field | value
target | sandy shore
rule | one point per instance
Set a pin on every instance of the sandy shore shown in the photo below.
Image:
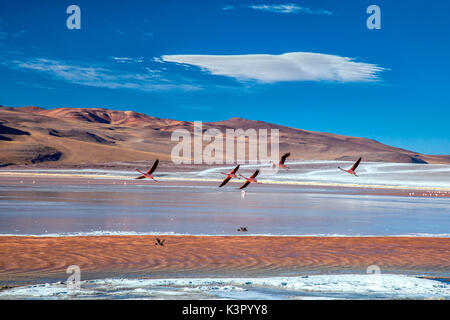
(30, 259)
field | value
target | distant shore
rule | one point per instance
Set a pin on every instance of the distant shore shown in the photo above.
(34, 259)
(51, 176)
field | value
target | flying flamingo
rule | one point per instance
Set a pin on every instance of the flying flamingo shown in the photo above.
(353, 168)
(149, 172)
(231, 174)
(282, 160)
(249, 180)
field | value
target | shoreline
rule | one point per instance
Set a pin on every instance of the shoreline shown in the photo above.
(33, 259)
(156, 234)
(22, 178)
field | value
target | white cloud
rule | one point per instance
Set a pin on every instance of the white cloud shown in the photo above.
(97, 75)
(287, 8)
(293, 66)
(158, 60)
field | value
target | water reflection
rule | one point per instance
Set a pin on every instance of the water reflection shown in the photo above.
(205, 210)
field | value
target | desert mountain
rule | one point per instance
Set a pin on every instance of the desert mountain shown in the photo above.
(97, 135)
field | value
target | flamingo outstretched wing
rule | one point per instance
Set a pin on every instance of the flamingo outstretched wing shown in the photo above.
(356, 164)
(153, 168)
(283, 158)
(235, 169)
(225, 181)
(254, 174)
(246, 183)
(142, 176)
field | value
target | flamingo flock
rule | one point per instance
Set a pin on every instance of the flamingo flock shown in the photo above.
(233, 173)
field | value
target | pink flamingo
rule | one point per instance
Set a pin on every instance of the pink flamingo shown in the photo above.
(149, 172)
(353, 168)
(282, 160)
(249, 180)
(231, 174)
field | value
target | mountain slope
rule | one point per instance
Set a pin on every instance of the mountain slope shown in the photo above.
(97, 135)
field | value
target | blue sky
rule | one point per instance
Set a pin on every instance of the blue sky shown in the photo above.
(307, 64)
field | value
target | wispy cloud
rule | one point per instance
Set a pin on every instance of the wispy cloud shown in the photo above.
(128, 60)
(34, 85)
(19, 34)
(95, 75)
(131, 34)
(5, 35)
(293, 66)
(228, 7)
(287, 8)
(157, 60)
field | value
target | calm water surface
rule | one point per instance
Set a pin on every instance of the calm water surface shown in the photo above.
(155, 208)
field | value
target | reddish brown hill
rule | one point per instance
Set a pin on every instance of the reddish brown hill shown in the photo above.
(98, 135)
(99, 115)
(31, 109)
(111, 117)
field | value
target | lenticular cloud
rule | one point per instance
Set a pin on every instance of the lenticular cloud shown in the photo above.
(292, 66)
